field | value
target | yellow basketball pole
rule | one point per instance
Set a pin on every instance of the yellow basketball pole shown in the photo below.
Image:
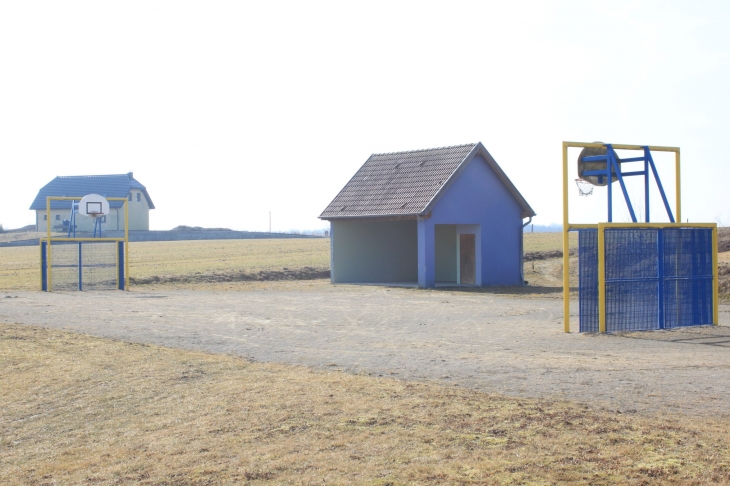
(566, 243)
(601, 280)
(715, 280)
(678, 186)
(126, 244)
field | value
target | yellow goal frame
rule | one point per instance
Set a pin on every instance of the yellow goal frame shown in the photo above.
(567, 227)
(49, 238)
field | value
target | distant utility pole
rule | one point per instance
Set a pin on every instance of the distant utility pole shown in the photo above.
(269, 221)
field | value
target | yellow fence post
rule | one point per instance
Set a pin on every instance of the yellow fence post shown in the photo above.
(601, 279)
(48, 227)
(126, 245)
(566, 245)
(678, 185)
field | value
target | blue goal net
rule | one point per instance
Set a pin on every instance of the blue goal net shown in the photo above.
(82, 265)
(655, 278)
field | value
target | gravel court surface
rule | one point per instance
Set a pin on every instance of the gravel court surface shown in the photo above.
(498, 343)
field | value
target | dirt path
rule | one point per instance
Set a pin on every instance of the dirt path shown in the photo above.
(496, 343)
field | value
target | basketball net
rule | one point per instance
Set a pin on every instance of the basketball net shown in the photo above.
(585, 188)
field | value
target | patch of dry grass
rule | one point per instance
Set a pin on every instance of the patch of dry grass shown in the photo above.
(188, 257)
(547, 241)
(20, 268)
(78, 409)
(25, 235)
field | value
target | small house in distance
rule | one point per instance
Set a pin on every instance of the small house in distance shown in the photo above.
(112, 185)
(442, 216)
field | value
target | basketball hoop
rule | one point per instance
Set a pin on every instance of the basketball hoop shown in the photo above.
(585, 188)
(94, 206)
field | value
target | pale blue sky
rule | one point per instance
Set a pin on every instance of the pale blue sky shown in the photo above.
(229, 110)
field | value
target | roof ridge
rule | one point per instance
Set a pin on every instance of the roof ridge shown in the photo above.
(428, 149)
(380, 188)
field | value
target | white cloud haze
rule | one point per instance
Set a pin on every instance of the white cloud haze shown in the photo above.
(229, 110)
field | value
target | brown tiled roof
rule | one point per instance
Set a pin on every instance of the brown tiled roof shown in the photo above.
(407, 183)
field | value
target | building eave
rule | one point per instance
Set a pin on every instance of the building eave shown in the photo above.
(372, 217)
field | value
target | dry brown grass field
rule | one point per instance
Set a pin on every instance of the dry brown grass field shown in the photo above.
(19, 266)
(80, 410)
(215, 260)
(208, 263)
(25, 235)
(535, 242)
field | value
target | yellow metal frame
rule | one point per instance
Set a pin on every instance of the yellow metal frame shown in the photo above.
(567, 227)
(49, 238)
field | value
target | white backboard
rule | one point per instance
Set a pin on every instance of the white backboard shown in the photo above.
(94, 205)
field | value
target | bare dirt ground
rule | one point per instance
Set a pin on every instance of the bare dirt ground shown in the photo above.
(500, 341)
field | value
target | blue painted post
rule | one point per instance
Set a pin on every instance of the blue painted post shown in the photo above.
(608, 185)
(426, 255)
(646, 185)
(612, 162)
(120, 265)
(44, 266)
(81, 269)
(659, 184)
(660, 272)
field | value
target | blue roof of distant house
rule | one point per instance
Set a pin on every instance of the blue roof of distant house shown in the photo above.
(112, 185)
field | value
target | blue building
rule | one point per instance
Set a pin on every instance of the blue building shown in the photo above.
(443, 216)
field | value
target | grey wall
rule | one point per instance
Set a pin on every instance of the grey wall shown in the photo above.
(445, 253)
(374, 251)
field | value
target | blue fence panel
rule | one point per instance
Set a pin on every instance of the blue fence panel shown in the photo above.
(632, 305)
(688, 277)
(631, 253)
(655, 278)
(632, 279)
(588, 279)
